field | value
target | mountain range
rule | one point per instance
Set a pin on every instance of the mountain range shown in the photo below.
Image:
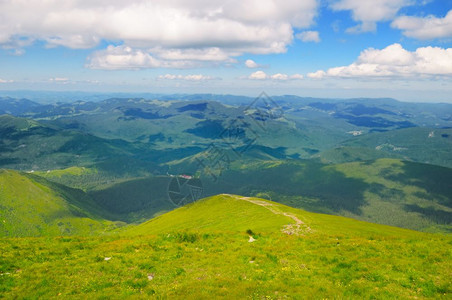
(185, 195)
(356, 157)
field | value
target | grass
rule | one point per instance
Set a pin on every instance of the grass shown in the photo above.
(386, 191)
(201, 256)
(31, 208)
(214, 212)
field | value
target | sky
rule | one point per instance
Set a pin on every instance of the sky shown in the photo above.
(310, 48)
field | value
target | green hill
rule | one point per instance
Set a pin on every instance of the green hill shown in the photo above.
(134, 200)
(214, 214)
(30, 206)
(29, 145)
(233, 247)
(426, 145)
(385, 191)
(232, 213)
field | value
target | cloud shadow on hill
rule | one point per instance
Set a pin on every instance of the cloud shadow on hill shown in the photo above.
(332, 188)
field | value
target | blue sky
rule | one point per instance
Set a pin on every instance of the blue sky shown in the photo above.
(330, 48)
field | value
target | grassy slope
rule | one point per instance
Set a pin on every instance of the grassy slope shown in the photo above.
(214, 214)
(30, 206)
(134, 200)
(126, 199)
(385, 191)
(202, 252)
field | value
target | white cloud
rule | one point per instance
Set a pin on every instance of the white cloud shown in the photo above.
(296, 76)
(213, 54)
(76, 41)
(425, 28)
(394, 61)
(125, 57)
(197, 77)
(192, 77)
(251, 64)
(59, 79)
(308, 36)
(217, 30)
(16, 45)
(170, 77)
(369, 12)
(317, 75)
(279, 76)
(6, 81)
(122, 57)
(261, 75)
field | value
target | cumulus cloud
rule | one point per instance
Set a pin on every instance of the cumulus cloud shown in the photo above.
(317, 74)
(369, 12)
(122, 57)
(394, 61)
(192, 77)
(218, 30)
(279, 76)
(251, 64)
(426, 28)
(308, 36)
(261, 75)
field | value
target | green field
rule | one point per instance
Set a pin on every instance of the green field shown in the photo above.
(203, 251)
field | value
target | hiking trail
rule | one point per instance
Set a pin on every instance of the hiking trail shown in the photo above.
(298, 228)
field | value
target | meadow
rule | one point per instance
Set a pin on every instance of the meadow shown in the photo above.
(207, 253)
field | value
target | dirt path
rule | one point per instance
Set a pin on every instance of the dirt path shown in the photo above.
(298, 228)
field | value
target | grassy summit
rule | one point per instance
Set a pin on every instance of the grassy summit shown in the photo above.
(218, 213)
(385, 191)
(235, 247)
